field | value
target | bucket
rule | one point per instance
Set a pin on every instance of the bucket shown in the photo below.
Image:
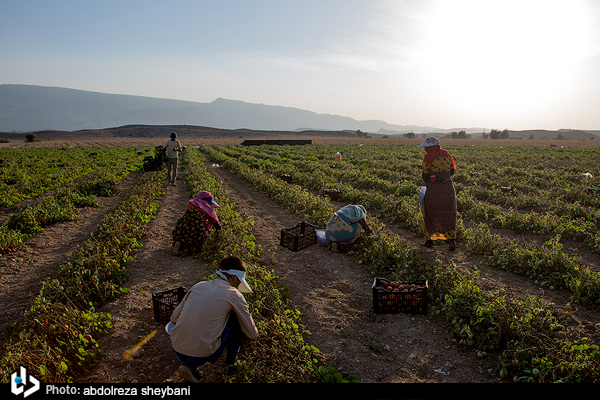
(321, 238)
(338, 156)
(422, 190)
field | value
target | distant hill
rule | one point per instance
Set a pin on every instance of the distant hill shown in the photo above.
(562, 133)
(28, 108)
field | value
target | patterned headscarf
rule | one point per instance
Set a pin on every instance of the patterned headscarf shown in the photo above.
(204, 201)
(433, 152)
(354, 213)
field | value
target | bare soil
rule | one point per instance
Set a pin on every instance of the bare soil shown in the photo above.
(333, 292)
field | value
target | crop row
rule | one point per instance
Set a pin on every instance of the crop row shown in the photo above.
(528, 337)
(280, 354)
(553, 268)
(28, 172)
(553, 175)
(62, 206)
(55, 339)
(388, 182)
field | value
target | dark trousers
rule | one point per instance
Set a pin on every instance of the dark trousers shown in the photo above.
(231, 338)
(172, 169)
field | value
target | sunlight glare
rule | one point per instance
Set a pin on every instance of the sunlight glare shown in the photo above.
(489, 54)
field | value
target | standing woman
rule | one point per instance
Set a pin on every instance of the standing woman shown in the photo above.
(439, 202)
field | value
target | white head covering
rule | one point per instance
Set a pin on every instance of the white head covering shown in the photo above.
(430, 141)
(243, 287)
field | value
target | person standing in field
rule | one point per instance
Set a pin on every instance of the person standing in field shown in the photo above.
(439, 203)
(213, 316)
(173, 149)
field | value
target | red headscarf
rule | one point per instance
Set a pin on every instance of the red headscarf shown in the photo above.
(433, 152)
(204, 201)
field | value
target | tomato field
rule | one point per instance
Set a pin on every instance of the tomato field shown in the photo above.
(532, 213)
(552, 200)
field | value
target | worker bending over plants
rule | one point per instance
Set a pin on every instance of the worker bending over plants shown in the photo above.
(345, 226)
(192, 228)
(213, 316)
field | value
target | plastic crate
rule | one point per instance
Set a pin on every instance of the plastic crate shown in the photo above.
(287, 178)
(298, 237)
(333, 194)
(405, 301)
(165, 302)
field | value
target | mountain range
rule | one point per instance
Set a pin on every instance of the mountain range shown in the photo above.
(29, 108)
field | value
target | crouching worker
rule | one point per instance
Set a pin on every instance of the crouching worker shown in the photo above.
(213, 316)
(192, 228)
(345, 226)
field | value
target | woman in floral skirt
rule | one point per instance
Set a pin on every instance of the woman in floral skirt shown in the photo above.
(192, 228)
(439, 204)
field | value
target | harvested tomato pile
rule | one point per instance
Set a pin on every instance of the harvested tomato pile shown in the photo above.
(398, 286)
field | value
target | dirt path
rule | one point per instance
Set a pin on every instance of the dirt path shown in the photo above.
(22, 272)
(154, 270)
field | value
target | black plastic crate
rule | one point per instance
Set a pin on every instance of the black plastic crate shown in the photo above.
(299, 237)
(287, 178)
(333, 194)
(405, 298)
(165, 302)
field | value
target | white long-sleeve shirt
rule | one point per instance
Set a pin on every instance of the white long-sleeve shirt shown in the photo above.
(202, 315)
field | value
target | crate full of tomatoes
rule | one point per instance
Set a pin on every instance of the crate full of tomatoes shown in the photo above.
(399, 296)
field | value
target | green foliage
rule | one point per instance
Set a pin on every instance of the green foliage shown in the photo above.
(548, 265)
(54, 340)
(548, 196)
(56, 336)
(63, 205)
(29, 172)
(563, 359)
(385, 178)
(280, 354)
(330, 375)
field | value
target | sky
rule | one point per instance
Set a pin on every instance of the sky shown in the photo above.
(495, 64)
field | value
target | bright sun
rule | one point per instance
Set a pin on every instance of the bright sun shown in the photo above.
(504, 54)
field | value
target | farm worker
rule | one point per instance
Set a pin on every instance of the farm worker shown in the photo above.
(213, 316)
(173, 149)
(439, 203)
(192, 228)
(345, 226)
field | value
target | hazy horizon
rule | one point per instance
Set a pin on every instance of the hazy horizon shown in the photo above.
(527, 64)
